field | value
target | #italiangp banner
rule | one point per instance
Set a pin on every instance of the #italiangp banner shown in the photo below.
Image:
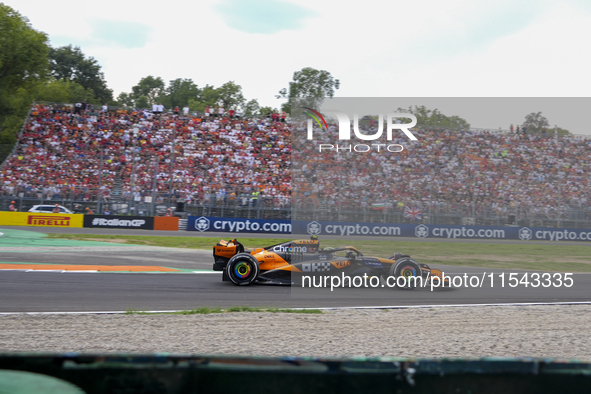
(40, 219)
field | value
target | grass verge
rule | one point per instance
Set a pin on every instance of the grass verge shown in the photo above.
(170, 242)
(545, 257)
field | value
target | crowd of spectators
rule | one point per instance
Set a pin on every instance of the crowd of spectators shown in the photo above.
(196, 159)
(232, 160)
(469, 173)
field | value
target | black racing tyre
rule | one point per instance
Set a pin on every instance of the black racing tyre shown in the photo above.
(408, 268)
(242, 269)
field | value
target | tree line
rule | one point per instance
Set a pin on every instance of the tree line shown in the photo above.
(31, 70)
(182, 92)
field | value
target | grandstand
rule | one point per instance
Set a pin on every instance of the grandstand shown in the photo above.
(135, 162)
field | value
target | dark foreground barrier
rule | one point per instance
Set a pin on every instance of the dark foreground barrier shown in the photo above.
(227, 374)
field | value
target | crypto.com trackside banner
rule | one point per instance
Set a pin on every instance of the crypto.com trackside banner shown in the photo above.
(234, 225)
(343, 229)
(440, 231)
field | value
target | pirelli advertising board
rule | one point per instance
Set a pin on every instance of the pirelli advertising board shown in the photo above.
(40, 219)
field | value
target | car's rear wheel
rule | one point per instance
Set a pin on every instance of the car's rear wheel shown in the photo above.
(242, 269)
(409, 269)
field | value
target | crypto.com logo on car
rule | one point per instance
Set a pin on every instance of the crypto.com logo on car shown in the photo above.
(345, 131)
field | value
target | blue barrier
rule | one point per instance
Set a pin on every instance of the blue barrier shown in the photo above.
(441, 231)
(344, 229)
(234, 225)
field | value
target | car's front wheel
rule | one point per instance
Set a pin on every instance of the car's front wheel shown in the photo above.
(242, 269)
(409, 269)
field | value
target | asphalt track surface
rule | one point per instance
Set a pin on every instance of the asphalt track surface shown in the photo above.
(192, 286)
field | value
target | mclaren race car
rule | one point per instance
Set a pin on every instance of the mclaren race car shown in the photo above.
(280, 264)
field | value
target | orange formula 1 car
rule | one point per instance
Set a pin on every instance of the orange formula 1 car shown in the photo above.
(276, 263)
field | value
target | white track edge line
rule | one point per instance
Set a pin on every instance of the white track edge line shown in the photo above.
(324, 309)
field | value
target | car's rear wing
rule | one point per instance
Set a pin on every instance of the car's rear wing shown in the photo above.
(224, 251)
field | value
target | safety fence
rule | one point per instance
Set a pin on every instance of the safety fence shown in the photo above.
(158, 203)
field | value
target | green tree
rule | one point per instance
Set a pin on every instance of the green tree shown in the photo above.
(64, 91)
(263, 111)
(130, 101)
(69, 63)
(558, 131)
(13, 112)
(209, 97)
(23, 66)
(252, 107)
(230, 95)
(152, 88)
(535, 122)
(142, 102)
(125, 99)
(179, 92)
(311, 84)
(456, 123)
(433, 118)
(184, 91)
